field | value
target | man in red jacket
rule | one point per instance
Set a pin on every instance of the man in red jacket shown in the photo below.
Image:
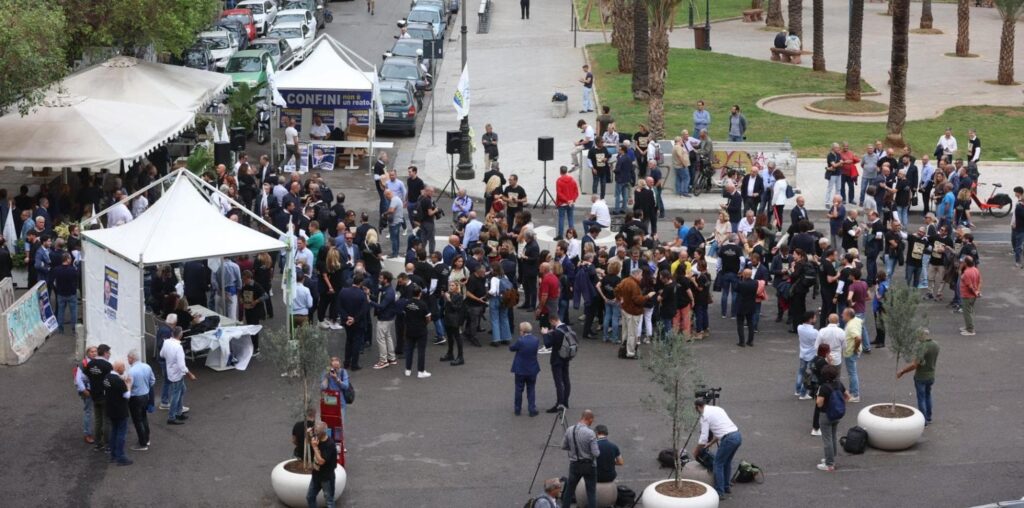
(849, 173)
(566, 192)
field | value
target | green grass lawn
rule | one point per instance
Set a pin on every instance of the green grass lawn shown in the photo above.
(720, 9)
(723, 80)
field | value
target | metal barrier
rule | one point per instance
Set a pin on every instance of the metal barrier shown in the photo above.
(484, 17)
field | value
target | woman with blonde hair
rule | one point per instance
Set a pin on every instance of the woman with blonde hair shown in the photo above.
(612, 311)
(722, 230)
(263, 274)
(332, 279)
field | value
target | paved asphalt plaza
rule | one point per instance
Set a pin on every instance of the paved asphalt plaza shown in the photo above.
(453, 441)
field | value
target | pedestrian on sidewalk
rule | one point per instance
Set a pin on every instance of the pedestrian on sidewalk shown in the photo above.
(588, 89)
(701, 118)
(681, 167)
(924, 373)
(490, 142)
(524, 9)
(624, 178)
(970, 291)
(525, 367)
(605, 120)
(737, 125)
(117, 387)
(143, 381)
(566, 193)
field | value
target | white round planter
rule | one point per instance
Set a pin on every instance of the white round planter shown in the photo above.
(607, 494)
(891, 433)
(653, 499)
(291, 487)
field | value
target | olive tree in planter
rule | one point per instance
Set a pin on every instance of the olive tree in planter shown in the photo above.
(300, 354)
(893, 426)
(673, 370)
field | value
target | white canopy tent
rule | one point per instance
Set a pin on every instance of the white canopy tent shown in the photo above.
(134, 81)
(182, 225)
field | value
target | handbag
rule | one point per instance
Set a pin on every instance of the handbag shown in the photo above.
(349, 393)
(717, 285)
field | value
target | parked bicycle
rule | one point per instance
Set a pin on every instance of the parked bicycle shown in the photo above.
(998, 204)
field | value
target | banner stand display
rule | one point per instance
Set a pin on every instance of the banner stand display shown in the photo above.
(25, 324)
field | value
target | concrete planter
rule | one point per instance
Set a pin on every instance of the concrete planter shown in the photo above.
(291, 487)
(607, 494)
(891, 434)
(653, 499)
(19, 276)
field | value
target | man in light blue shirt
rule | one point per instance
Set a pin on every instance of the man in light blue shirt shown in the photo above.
(302, 302)
(141, 399)
(868, 171)
(701, 118)
(396, 186)
(473, 228)
(461, 205)
(925, 185)
(228, 277)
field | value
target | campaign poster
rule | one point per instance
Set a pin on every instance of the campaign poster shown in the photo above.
(110, 292)
(286, 113)
(45, 309)
(289, 163)
(324, 157)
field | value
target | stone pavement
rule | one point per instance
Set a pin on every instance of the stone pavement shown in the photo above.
(934, 81)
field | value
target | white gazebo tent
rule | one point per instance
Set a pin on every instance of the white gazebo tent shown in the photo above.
(134, 81)
(181, 226)
(332, 77)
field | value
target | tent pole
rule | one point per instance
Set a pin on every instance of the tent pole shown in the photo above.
(142, 308)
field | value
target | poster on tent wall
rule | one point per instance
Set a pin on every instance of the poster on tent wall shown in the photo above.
(327, 115)
(324, 157)
(101, 269)
(289, 163)
(21, 328)
(45, 309)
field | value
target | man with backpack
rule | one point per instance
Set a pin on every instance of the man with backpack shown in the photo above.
(832, 399)
(561, 339)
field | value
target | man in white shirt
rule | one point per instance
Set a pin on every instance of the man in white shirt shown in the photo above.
(835, 337)
(291, 143)
(139, 205)
(600, 215)
(174, 355)
(303, 254)
(119, 213)
(947, 143)
(715, 422)
(319, 130)
(808, 337)
(586, 143)
(472, 230)
(228, 277)
(302, 303)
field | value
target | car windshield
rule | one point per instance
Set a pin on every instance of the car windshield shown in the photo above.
(216, 42)
(406, 72)
(195, 58)
(241, 18)
(406, 48)
(269, 47)
(423, 15)
(394, 97)
(297, 5)
(286, 33)
(244, 64)
(289, 18)
(254, 8)
(421, 33)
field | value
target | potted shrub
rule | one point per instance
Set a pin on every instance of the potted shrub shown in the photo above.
(301, 355)
(672, 368)
(893, 426)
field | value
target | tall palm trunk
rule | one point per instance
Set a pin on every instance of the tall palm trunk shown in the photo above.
(640, 42)
(1010, 10)
(796, 18)
(853, 88)
(818, 60)
(926, 14)
(963, 27)
(658, 62)
(892, 6)
(774, 17)
(898, 69)
(622, 34)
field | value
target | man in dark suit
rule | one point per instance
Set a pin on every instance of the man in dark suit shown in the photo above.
(196, 276)
(354, 306)
(559, 366)
(525, 367)
(733, 204)
(752, 189)
(746, 305)
(350, 254)
(528, 270)
(644, 200)
(796, 215)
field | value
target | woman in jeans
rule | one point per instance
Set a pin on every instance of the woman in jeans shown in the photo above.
(612, 311)
(684, 300)
(702, 298)
(829, 384)
(813, 381)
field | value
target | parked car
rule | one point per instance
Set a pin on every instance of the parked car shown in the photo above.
(298, 35)
(249, 67)
(445, 5)
(427, 32)
(243, 16)
(236, 27)
(263, 13)
(222, 45)
(314, 6)
(401, 106)
(280, 51)
(197, 57)
(412, 48)
(407, 69)
(297, 16)
(429, 14)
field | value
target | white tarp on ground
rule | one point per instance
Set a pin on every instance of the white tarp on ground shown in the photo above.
(127, 79)
(79, 132)
(182, 225)
(112, 294)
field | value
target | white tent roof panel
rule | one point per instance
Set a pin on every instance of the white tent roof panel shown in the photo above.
(325, 69)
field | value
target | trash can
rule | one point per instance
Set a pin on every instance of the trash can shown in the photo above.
(700, 37)
(559, 105)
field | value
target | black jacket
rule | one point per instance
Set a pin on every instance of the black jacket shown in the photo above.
(758, 186)
(746, 291)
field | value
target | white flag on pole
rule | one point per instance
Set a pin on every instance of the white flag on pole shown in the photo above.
(9, 234)
(461, 100)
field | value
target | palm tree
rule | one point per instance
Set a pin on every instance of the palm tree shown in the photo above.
(1009, 10)
(622, 34)
(661, 13)
(818, 60)
(963, 27)
(774, 17)
(898, 72)
(796, 18)
(853, 55)
(926, 14)
(640, 41)
(892, 6)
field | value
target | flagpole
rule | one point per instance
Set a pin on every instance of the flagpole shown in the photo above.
(465, 168)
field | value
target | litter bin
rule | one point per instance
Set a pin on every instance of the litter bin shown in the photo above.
(559, 105)
(700, 37)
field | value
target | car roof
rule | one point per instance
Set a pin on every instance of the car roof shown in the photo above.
(289, 24)
(250, 53)
(418, 24)
(271, 40)
(395, 84)
(401, 60)
(251, 2)
(292, 11)
(231, 12)
(424, 7)
(214, 34)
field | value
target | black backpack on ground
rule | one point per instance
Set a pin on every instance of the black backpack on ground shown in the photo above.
(855, 440)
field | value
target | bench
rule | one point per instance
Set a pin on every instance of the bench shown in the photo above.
(785, 55)
(752, 15)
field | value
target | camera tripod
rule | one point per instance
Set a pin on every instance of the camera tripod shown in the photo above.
(545, 195)
(560, 417)
(451, 187)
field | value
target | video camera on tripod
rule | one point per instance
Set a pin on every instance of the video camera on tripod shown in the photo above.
(710, 395)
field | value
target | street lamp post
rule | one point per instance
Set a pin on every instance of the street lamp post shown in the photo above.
(464, 170)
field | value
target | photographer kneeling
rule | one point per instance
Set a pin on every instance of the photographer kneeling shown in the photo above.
(714, 421)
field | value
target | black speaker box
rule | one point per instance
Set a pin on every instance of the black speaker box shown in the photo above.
(545, 148)
(237, 136)
(222, 153)
(452, 142)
